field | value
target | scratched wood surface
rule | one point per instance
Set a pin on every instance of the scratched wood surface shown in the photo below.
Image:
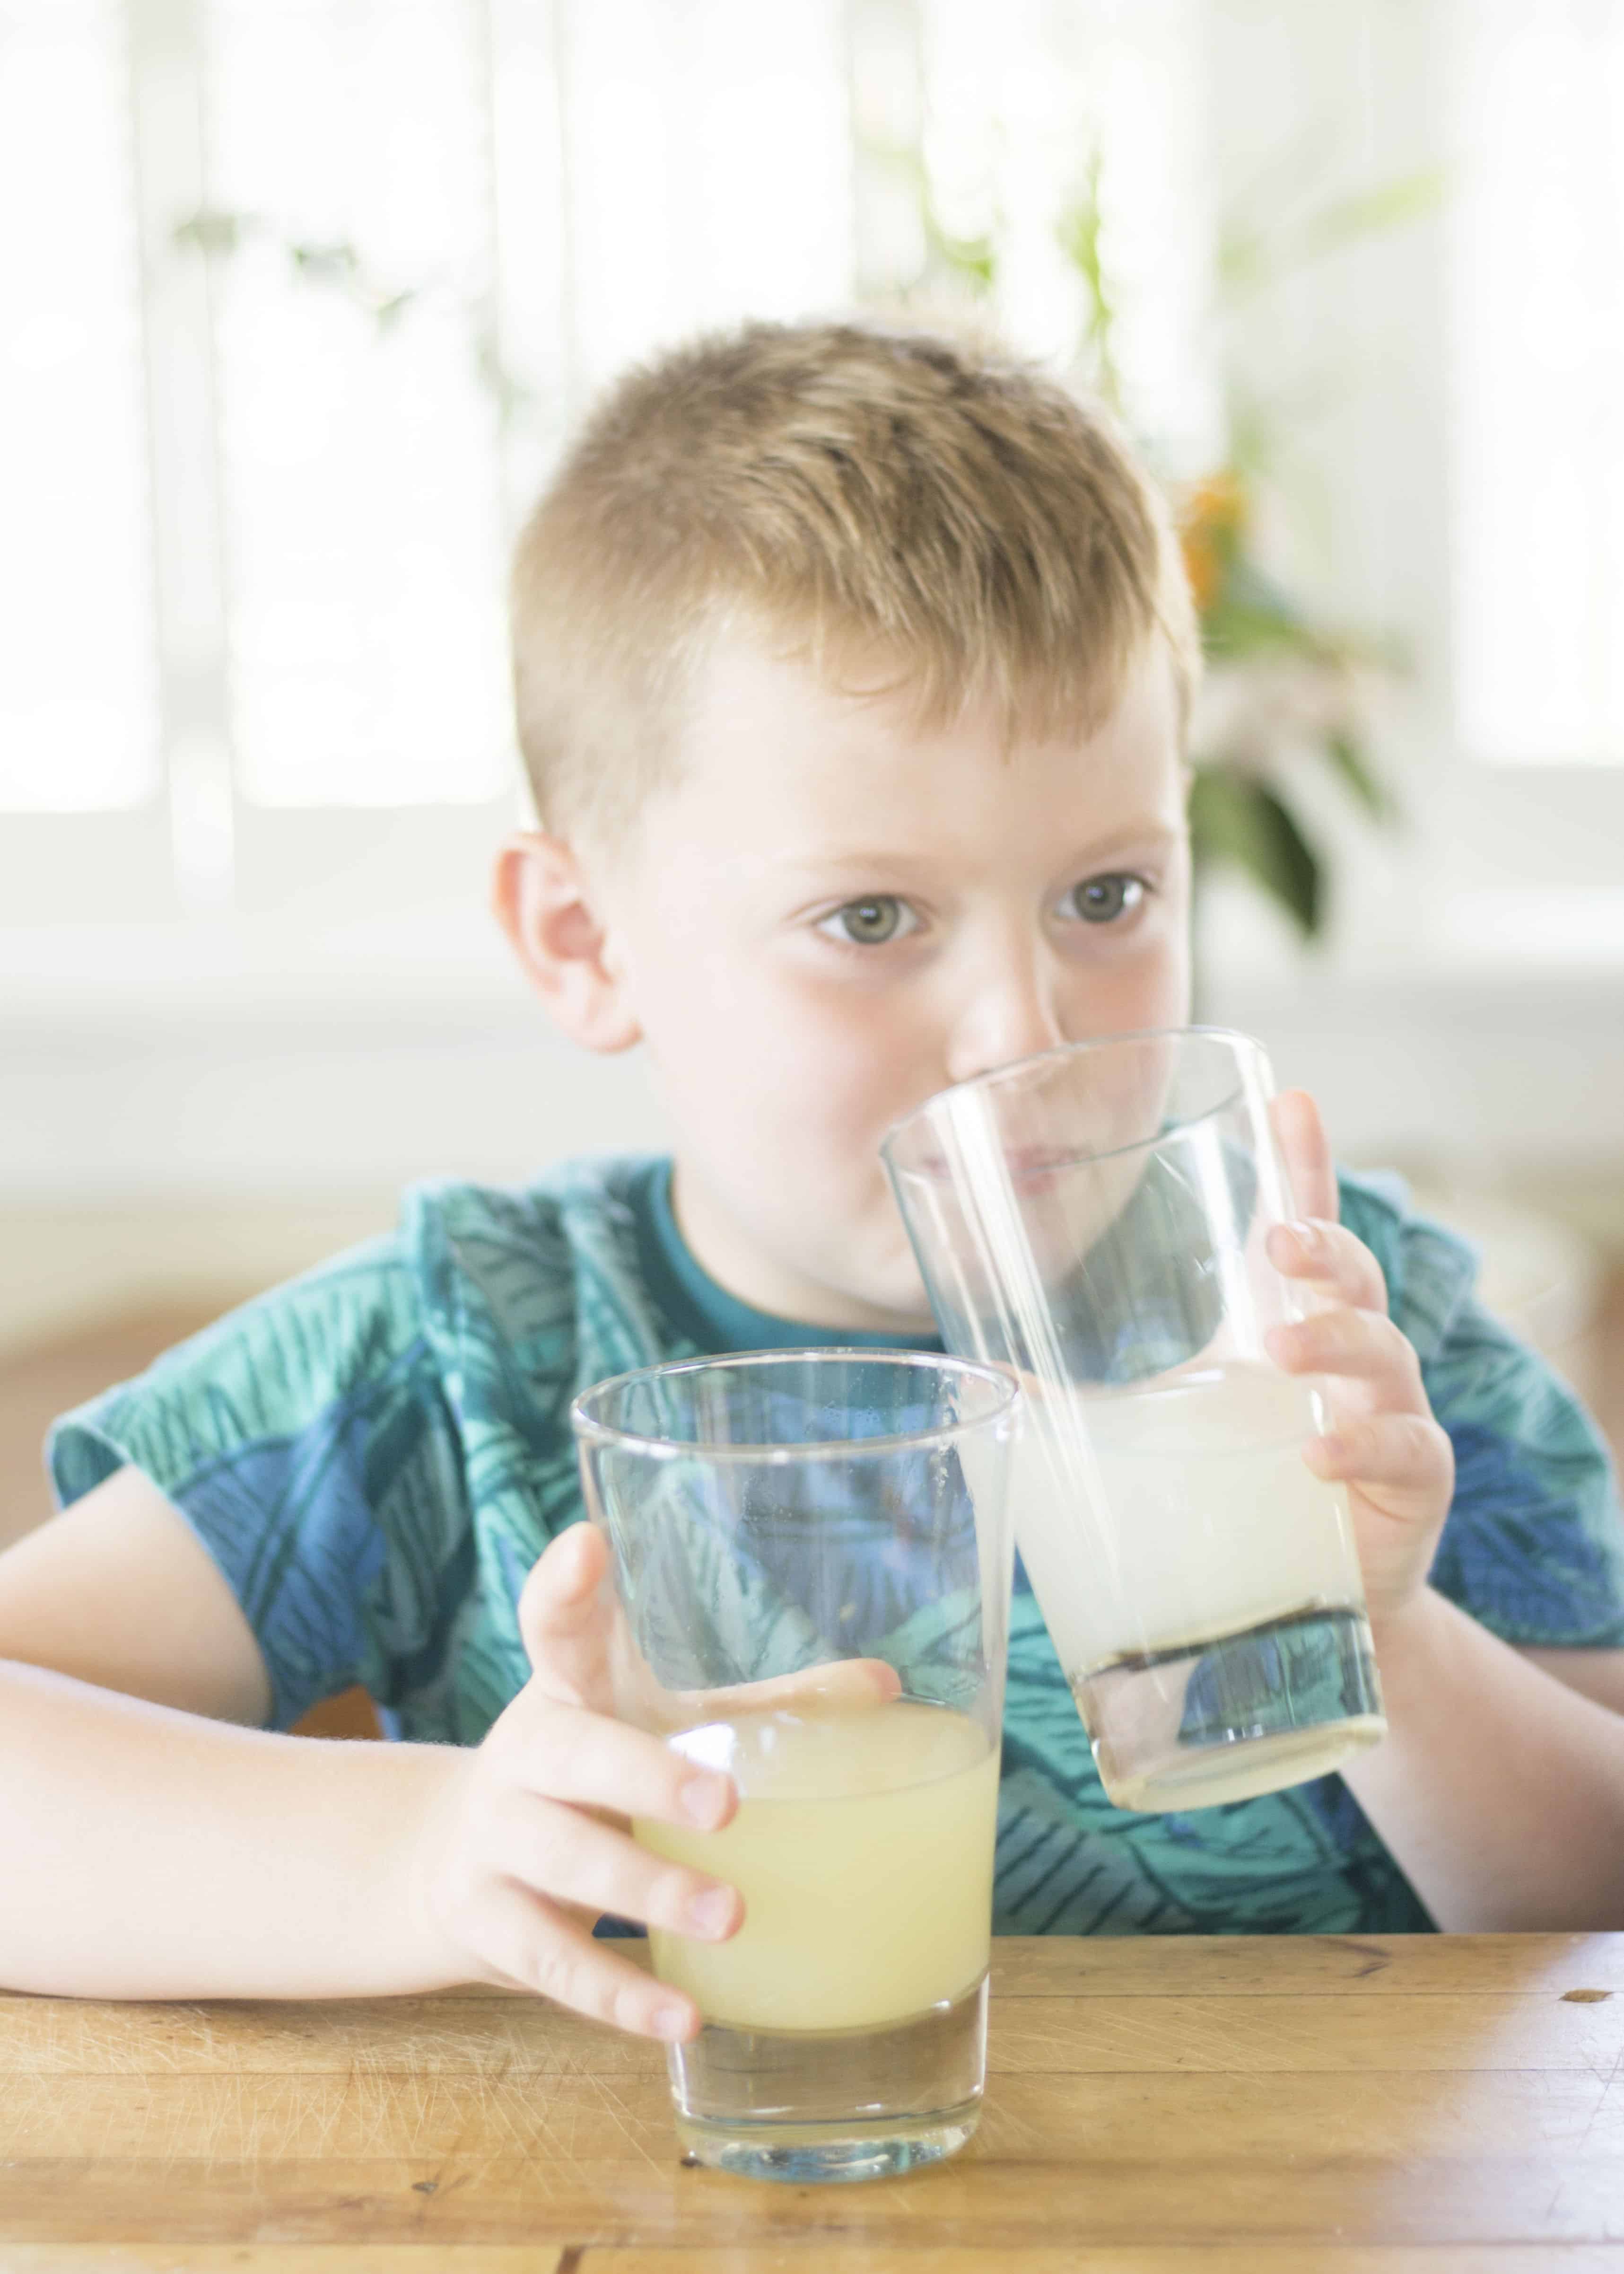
(1395, 2106)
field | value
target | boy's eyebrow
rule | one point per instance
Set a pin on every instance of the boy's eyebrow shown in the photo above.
(892, 861)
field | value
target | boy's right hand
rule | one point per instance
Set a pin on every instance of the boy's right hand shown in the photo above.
(526, 1842)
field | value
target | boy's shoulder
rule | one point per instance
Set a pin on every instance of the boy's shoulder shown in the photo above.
(1430, 1272)
(536, 1266)
(487, 1298)
(375, 1452)
(1533, 1546)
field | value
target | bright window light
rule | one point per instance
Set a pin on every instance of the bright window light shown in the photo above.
(1537, 210)
(395, 246)
(1034, 109)
(709, 160)
(346, 147)
(79, 727)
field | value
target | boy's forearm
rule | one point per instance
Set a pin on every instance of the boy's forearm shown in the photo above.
(152, 1854)
(1499, 1790)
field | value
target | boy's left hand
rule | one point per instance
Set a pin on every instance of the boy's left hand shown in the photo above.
(1397, 1462)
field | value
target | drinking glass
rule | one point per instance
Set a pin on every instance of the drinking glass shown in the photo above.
(1096, 1218)
(811, 1567)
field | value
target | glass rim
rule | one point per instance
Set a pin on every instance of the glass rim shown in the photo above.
(1008, 1076)
(589, 1430)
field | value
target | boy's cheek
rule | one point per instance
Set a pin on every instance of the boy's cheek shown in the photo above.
(843, 1063)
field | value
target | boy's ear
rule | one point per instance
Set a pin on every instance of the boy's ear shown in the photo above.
(542, 901)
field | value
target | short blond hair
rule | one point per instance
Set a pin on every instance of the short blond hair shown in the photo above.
(853, 492)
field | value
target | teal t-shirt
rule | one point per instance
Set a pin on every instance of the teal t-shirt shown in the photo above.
(376, 1453)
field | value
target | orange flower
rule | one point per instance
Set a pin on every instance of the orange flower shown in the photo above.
(1212, 514)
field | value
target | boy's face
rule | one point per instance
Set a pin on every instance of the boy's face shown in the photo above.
(831, 914)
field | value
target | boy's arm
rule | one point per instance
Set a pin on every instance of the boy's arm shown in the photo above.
(1500, 1788)
(153, 1849)
(151, 1852)
(154, 1854)
(1597, 1673)
(119, 1589)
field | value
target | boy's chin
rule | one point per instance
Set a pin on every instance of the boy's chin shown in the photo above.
(897, 1295)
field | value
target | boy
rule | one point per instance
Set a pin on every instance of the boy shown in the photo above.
(850, 674)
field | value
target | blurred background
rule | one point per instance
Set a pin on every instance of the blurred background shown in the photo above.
(298, 300)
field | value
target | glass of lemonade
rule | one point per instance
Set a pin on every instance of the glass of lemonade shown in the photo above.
(812, 1561)
(1096, 1218)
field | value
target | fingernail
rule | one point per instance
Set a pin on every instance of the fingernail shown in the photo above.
(702, 1800)
(1308, 1236)
(670, 2023)
(712, 1913)
(1333, 1448)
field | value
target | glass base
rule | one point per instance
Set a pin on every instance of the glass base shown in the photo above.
(824, 2105)
(1239, 1714)
(824, 2153)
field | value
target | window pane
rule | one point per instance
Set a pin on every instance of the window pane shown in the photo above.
(360, 422)
(1024, 102)
(77, 683)
(708, 157)
(1537, 219)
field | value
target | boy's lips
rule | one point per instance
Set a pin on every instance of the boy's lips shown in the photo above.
(1026, 1166)
(1034, 1164)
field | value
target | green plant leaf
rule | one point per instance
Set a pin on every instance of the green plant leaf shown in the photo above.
(1239, 821)
(971, 259)
(214, 232)
(1251, 256)
(1235, 626)
(1077, 233)
(1385, 205)
(1349, 760)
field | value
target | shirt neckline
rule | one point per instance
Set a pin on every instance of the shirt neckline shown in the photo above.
(703, 1310)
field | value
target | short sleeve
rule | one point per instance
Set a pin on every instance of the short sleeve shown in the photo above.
(1533, 1547)
(306, 1439)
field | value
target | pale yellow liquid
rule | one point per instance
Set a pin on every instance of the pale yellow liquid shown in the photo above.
(863, 1848)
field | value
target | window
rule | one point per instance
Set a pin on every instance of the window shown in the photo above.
(348, 219)
(79, 716)
(309, 293)
(1538, 379)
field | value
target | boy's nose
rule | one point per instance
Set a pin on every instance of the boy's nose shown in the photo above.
(1009, 1014)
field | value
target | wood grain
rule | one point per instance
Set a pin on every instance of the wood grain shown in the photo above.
(1388, 2105)
(816, 2256)
(1252, 2258)
(1252, 1966)
(522, 2039)
(290, 2258)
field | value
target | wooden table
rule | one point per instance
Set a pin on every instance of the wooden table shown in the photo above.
(1154, 2107)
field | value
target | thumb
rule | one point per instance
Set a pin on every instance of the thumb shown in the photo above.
(564, 1616)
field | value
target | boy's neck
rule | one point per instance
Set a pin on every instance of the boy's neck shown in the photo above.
(722, 1249)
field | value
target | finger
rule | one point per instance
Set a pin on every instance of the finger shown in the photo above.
(525, 1942)
(563, 1753)
(1406, 1454)
(1337, 1263)
(557, 1852)
(1307, 1154)
(564, 1614)
(1360, 1347)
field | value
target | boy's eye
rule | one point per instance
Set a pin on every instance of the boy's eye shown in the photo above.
(871, 922)
(1103, 900)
